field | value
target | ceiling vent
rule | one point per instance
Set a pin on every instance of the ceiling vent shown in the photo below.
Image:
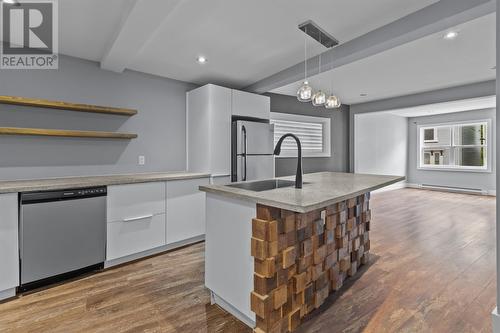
(321, 36)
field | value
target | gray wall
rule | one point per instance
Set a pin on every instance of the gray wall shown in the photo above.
(487, 88)
(160, 122)
(477, 180)
(339, 136)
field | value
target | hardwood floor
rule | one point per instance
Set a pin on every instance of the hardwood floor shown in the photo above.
(432, 270)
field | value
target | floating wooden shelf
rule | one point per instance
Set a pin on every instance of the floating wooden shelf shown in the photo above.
(24, 101)
(65, 133)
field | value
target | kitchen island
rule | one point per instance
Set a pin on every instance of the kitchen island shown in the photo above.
(274, 252)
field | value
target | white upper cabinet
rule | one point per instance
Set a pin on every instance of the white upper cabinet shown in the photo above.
(250, 105)
(208, 125)
(208, 120)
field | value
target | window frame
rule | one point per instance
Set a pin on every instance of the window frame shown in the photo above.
(456, 168)
(326, 123)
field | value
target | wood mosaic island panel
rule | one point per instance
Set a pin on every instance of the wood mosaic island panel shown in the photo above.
(300, 258)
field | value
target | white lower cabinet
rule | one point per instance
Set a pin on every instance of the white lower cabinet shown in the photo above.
(136, 219)
(185, 209)
(9, 253)
(153, 216)
(135, 235)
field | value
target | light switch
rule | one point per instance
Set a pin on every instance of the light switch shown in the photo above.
(142, 160)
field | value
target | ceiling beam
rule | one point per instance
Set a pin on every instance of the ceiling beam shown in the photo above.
(442, 15)
(144, 18)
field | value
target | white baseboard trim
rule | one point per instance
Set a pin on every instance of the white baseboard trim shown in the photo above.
(495, 320)
(157, 250)
(215, 299)
(392, 187)
(6, 294)
(451, 189)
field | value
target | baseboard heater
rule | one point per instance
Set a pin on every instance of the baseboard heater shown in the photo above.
(453, 189)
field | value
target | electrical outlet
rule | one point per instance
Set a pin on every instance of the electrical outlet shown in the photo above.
(142, 160)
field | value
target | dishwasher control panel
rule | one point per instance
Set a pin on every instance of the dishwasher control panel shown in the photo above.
(90, 191)
(69, 194)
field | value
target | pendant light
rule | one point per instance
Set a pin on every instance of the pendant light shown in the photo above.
(332, 101)
(304, 93)
(319, 98)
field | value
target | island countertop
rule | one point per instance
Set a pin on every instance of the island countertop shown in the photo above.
(48, 184)
(319, 190)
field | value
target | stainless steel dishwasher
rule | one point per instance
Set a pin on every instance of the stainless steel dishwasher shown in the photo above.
(62, 234)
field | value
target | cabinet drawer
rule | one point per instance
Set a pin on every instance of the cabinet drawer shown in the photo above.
(135, 200)
(134, 235)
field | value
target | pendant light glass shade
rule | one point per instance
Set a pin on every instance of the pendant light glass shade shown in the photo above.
(319, 98)
(332, 102)
(304, 94)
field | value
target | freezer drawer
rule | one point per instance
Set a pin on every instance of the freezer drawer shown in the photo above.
(258, 167)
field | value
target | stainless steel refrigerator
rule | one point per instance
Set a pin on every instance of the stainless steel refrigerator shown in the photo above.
(252, 145)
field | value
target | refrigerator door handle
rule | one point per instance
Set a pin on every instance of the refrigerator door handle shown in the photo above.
(244, 150)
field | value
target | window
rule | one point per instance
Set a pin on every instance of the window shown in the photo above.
(313, 132)
(430, 134)
(462, 146)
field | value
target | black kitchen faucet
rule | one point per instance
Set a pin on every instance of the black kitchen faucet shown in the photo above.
(277, 151)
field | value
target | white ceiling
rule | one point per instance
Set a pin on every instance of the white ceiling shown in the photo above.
(86, 28)
(426, 64)
(470, 104)
(244, 41)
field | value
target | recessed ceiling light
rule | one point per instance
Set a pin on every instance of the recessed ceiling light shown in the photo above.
(201, 59)
(451, 35)
(11, 2)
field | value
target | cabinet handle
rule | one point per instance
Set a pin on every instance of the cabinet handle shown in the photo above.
(138, 218)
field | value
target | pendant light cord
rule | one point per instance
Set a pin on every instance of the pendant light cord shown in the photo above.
(305, 56)
(331, 78)
(319, 68)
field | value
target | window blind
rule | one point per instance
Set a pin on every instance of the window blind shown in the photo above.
(309, 133)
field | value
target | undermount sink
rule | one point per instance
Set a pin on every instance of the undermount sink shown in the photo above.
(264, 185)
